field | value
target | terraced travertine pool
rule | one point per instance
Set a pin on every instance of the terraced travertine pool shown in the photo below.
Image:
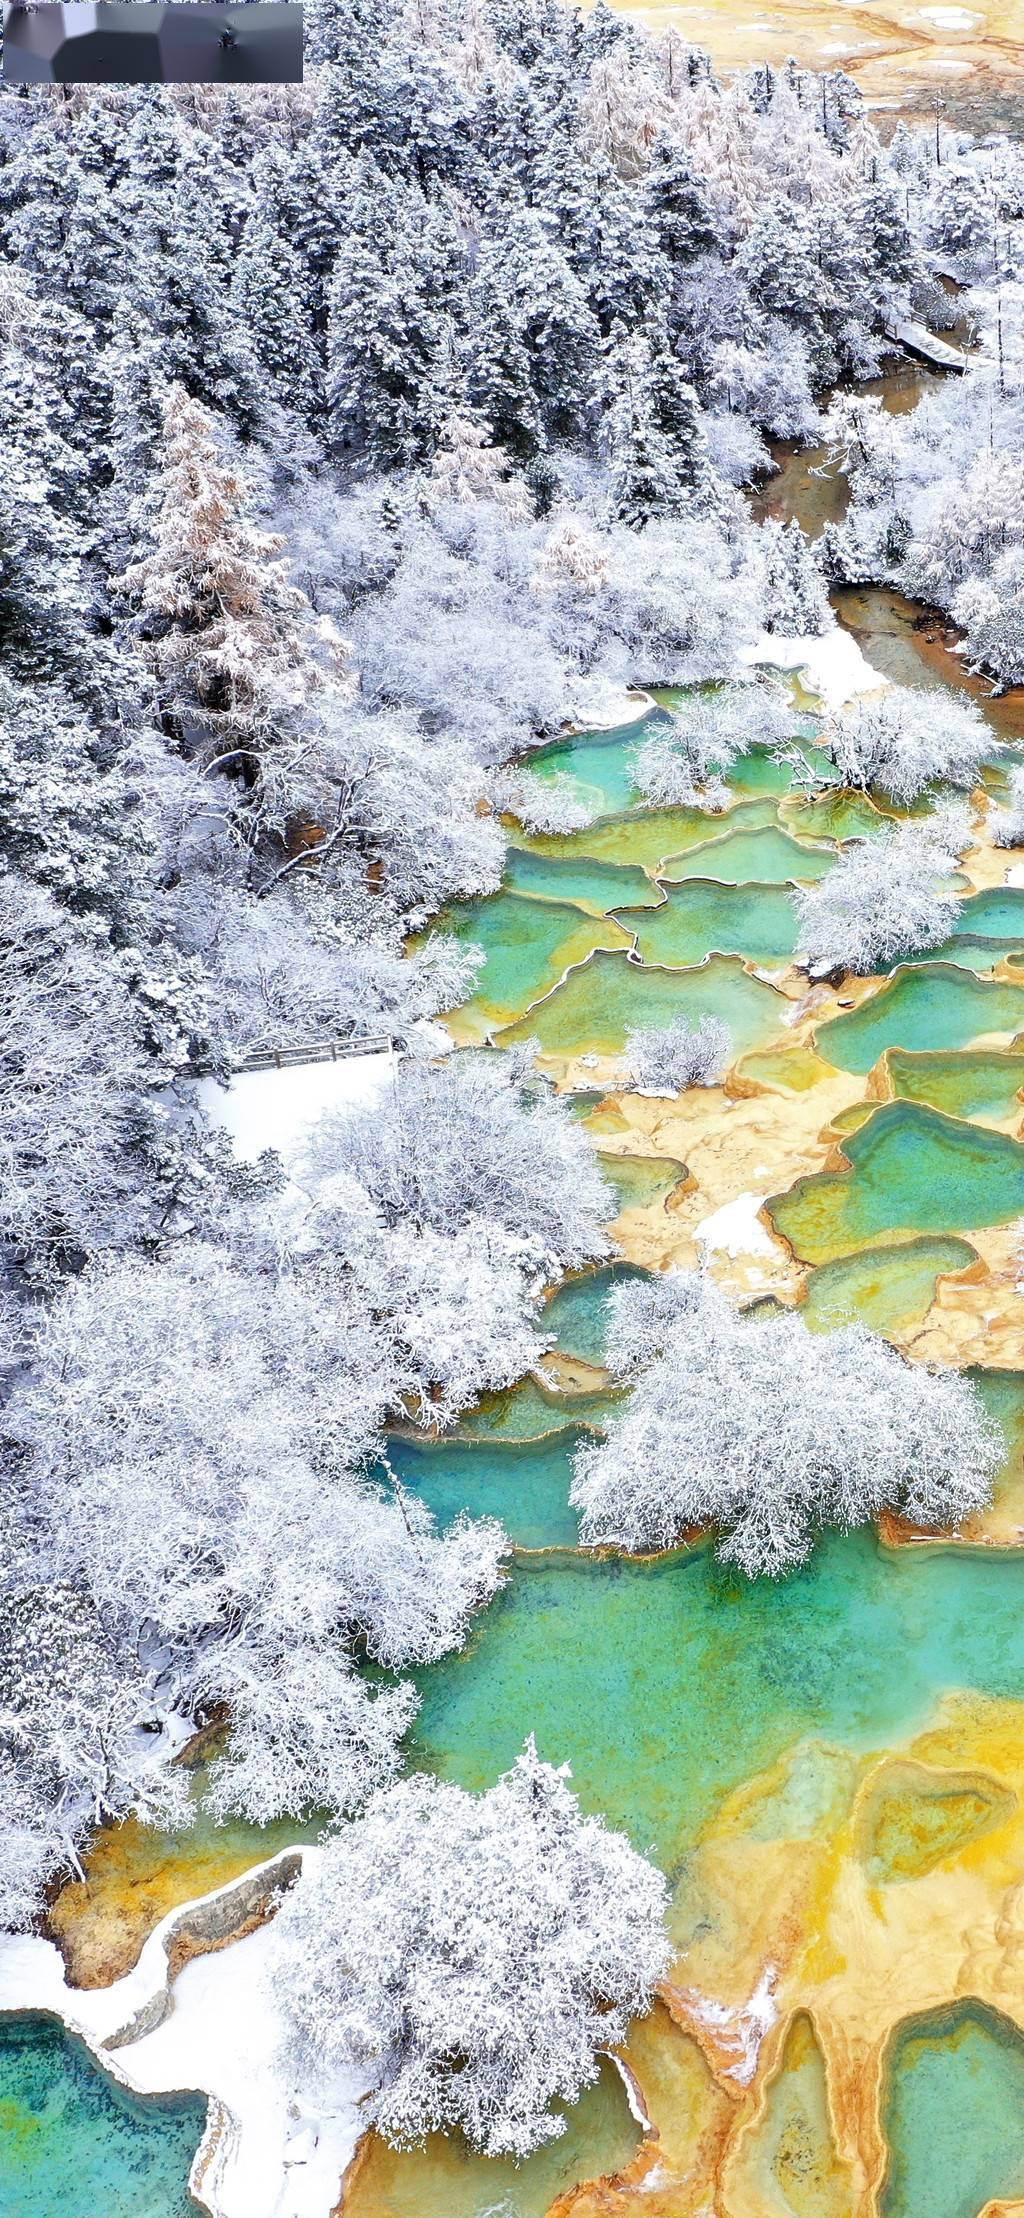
(735, 1731)
(74, 2143)
(831, 1770)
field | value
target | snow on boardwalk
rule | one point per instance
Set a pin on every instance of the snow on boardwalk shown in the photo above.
(917, 339)
(275, 1108)
(218, 2032)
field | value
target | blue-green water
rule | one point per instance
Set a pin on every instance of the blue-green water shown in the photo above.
(912, 1170)
(74, 2144)
(577, 1313)
(666, 1684)
(594, 1008)
(931, 1005)
(954, 2118)
(764, 856)
(524, 1483)
(701, 917)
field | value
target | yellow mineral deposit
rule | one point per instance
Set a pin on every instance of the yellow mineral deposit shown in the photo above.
(969, 59)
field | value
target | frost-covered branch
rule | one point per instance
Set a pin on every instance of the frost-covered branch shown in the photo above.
(766, 1433)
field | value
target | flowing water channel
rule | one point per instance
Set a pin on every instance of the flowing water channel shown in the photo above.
(830, 1769)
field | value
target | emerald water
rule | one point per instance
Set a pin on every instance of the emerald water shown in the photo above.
(701, 918)
(890, 1289)
(954, 2119)
(911, 1170)
(527, 945)
(931, 1005)
(74, 2144)
(583, 880)
(987, 1083)
(577, 1313)
(763, 856)
(525, 1483)
(667, 1684)
(594, 1007)
(651, 837)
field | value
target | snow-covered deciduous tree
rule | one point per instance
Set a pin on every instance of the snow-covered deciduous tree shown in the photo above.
(472, 1955)
(682, 766)
(91, 1157)
(766, 1433)
(191, 1438)
(886, 898)
(1006, 823)
(468, 1139)
(991, 612)
(666, 1059)
(542, 804)
(78, 1719)
(906, 739)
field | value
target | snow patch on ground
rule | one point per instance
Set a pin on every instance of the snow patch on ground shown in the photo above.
(601, 706)
(735, 1229)
(275, 1108)
(951, 19)
(738, 2033)
(832, 664)
(1015, 875)
(265, 2157)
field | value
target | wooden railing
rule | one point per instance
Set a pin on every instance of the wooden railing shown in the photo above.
(318, 1051)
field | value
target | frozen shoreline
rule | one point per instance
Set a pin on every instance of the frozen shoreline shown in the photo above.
(831, 663)
(212, 2028)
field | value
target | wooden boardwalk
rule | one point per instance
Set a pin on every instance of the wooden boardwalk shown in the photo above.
(318, 1051)
(915, 338)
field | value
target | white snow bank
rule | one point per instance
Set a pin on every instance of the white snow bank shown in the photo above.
(740, 2031)
(951, 19)
(265, 2157)
(831, 664)
(275, 1108)
(735, 1229)
(600, 705)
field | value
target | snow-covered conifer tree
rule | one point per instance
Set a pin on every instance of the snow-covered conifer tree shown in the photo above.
(231, 638)
(795, 600)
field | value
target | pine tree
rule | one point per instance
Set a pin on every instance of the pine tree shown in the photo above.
(882, 228)
(37, 195)
(795, 600)
(42, 591)
(390, 339)
(645, 482)
(679, 205)
(273, 295)
(228, 634)
(777, 258)
(557, 327)
(181, 292)
(498, 377)
(133, 367)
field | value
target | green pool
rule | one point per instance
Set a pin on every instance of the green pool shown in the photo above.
(74, 2144)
